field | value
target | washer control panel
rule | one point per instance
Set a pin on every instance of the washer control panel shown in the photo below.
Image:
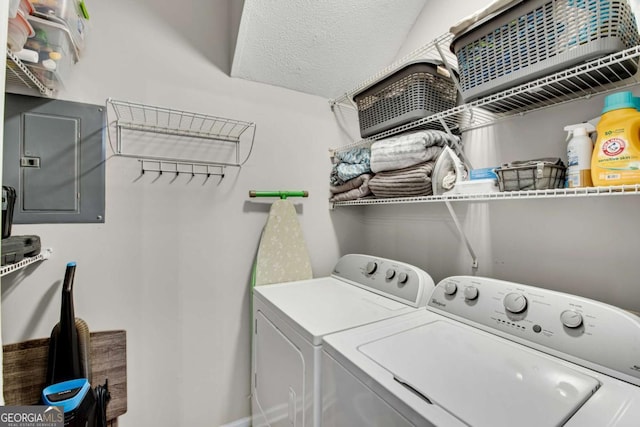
(588, 332)
(394, 279)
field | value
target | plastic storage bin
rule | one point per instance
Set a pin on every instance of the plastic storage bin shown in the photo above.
(18, 31)
(65, 12)
(538, 176)
(419, 89)
(56, 52)
(539, 37)
(23, 5)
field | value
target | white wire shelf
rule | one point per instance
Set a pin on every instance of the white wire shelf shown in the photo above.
(166, 121)
(130, 115)
(620, 190)
(10, 268)
(19, 75)
(579, 82)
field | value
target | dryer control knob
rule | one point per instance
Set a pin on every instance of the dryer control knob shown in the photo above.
(371, 267)
(571, 318)
(390, 274)
(403, 278)
(470, 293)
(515, 302)
(450, 288)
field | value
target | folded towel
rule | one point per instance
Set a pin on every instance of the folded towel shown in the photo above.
(353, 189)
(350, 164)
(355, 194)
(345, 172)
(353, 156)
(351, 184)
(408, 182)
(409, 149)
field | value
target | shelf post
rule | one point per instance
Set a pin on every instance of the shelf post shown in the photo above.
(448, 66)
(474, 258)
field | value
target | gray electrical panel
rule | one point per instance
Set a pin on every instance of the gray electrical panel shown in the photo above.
(54, 156)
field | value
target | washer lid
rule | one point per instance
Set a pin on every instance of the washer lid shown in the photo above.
(481, 379)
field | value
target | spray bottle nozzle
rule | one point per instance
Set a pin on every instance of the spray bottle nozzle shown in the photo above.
(579, 129)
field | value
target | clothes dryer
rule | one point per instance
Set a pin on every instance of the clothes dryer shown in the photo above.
(290, 320)
(487, 353)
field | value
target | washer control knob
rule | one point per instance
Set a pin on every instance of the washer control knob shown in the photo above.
(371, 267)
(470, 293)
(450, 288)
(390, 274)
(403, 278)
(571, 318)
(515, 302)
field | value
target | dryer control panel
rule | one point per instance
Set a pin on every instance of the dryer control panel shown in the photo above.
(394, 279)
(591, 333)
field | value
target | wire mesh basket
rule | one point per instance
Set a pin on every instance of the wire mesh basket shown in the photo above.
(537, 38)
(419, 89)
(539, 176)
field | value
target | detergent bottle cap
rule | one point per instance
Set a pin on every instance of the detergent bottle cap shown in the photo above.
(580, 129)
(619, 100)
(579, 132)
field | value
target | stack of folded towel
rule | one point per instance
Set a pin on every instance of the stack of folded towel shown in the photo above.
(350, 175)
(403, 164)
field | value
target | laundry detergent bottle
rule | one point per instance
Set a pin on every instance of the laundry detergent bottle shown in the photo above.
(616, 155)
(579, 154)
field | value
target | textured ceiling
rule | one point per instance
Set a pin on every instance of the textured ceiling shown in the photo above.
(321, 47)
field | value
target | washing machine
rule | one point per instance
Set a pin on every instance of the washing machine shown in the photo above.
(290, 320)
(487, 353)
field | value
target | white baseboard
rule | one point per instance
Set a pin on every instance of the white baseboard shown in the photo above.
(242, 422)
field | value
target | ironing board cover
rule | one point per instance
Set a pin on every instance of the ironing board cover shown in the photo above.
(282, 253)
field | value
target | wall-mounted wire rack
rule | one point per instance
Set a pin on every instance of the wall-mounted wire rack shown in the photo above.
(10, 268)
(17, 74)
(579, 82)
(185, 126)
(281, 194)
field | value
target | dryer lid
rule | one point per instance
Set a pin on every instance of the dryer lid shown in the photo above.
(326, 305)
(481, 379)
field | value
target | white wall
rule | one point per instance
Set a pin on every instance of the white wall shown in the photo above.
(171, 264)
(585, 246)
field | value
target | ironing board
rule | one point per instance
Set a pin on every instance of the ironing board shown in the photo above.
(282, 252)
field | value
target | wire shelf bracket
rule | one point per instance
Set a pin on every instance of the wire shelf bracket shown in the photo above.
(463, 236)
(138, 117)
(17, 73)
(447, 199)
